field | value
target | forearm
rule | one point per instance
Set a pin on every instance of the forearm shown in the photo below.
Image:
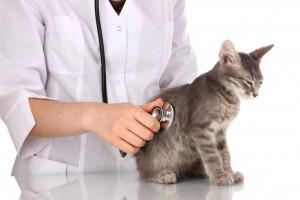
(123, 125)
(58, 119)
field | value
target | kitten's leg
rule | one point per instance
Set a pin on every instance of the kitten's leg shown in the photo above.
(225, 155)
(196, 170)
(165, 177)
(207, 148)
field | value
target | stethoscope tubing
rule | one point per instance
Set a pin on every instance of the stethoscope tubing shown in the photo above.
(102, 52)
(102, 57)
(165, 116)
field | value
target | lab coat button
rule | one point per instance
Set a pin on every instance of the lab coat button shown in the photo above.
(119, 28)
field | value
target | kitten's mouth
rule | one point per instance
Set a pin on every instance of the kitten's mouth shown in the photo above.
(253, 94)
(246, 96)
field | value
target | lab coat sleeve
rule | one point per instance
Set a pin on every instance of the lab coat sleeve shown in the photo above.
(22, 73)
(182, 65)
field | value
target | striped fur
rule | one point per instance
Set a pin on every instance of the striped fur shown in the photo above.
(195, 145)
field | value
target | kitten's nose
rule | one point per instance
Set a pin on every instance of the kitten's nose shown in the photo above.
(254, 92)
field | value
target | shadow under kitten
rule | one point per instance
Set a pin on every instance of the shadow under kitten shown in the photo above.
(195, 144)
(193, 189)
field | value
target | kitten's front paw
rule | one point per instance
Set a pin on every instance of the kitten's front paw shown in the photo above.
(164, 177)
(238, 177)
(223, 179)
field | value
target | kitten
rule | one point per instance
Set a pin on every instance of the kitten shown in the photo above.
(195, 144)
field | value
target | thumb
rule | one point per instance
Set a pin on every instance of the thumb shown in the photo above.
(148, 107)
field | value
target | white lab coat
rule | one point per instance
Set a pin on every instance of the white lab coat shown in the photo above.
(49, 49)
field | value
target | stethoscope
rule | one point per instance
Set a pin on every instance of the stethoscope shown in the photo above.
(164, 114)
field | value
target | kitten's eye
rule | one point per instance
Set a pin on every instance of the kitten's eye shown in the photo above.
(249, 83)
(260, 82)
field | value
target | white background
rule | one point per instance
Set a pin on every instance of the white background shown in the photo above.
(264, 140)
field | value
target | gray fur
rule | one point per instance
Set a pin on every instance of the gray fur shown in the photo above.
(195, 145)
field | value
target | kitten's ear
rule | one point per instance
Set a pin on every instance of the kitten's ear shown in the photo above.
(228, 54)
(259, 53)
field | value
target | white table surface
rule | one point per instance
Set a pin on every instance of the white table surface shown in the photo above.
(117, 186)
(270, 184)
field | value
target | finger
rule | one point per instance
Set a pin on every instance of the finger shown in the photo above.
(148, 107)
(140, 130)
(132, 139)
(147, 120)
(126, 147)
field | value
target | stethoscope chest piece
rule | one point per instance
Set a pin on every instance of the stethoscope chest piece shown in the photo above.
(164, 115)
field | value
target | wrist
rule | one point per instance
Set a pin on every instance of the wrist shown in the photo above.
(90, 115)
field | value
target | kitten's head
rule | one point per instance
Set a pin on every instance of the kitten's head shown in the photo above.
(242, 70)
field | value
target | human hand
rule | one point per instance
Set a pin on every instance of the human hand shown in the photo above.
(124, 125)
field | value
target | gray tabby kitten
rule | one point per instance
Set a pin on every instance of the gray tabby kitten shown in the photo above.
(195, 144)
